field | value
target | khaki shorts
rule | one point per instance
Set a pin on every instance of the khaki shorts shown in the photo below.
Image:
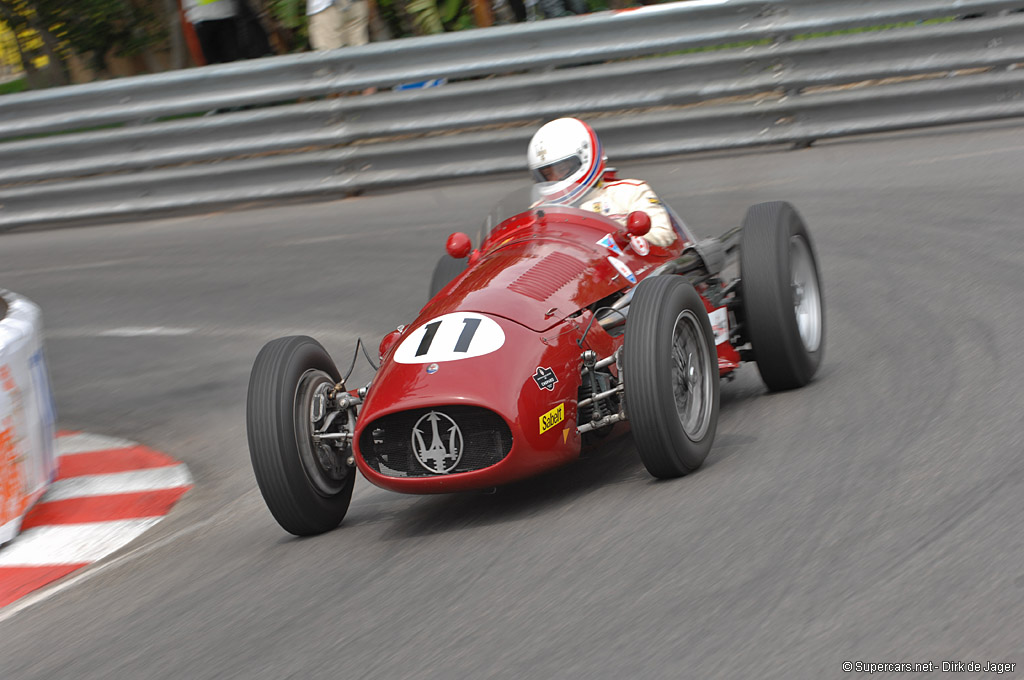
(343, 24)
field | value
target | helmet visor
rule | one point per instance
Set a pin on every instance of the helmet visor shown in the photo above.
(557, 171)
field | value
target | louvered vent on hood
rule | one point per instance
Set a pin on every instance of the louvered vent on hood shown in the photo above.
(546, 277)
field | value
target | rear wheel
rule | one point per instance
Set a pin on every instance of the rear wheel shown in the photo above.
(306, 485)
(445, 271)
(783, 305)
(670, 373)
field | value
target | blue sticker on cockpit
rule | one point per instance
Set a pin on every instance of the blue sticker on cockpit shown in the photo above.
(608, 242)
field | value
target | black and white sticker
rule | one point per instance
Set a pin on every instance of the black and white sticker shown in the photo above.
(545, 378)
(460, 335)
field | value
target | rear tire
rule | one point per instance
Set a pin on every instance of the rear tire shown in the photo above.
(670, 373)
(308, 490)
(783, 304)
(445, 271)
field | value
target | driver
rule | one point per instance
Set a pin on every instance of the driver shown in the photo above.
(568, 165)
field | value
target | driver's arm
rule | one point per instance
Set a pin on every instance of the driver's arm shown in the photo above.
(644, 198)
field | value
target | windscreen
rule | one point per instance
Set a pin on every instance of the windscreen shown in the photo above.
(526, 197)
(535, 196)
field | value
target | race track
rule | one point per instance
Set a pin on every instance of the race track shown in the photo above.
(872, 516)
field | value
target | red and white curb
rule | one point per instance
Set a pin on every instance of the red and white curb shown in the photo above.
(107, 493)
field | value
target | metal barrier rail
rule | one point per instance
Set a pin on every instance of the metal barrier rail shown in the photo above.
(779, 91)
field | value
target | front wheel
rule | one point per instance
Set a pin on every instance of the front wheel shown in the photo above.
(670, 375)
(306, 485)
(445, 271)
(783, 304)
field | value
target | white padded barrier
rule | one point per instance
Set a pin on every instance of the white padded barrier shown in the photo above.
(27, 431)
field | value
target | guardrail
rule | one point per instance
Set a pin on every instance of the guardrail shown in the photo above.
(27, 454)
(776, 74)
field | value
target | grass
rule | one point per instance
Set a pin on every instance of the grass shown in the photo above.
(801, 36)
(871, 29)
(13, 86)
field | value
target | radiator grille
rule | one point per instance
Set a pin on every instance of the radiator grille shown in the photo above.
(387, 443)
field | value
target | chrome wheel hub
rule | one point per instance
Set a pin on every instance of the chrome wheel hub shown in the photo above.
(806, 293)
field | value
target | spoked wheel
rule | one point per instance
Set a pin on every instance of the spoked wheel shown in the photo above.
(691, 378)
(783, 304)
(307, 485)
(670, 372)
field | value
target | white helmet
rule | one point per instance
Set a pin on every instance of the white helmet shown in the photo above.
(566, 160)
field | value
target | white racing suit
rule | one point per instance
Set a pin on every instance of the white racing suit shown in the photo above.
(617, 198)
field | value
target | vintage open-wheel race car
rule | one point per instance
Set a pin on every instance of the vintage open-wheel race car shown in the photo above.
(559, 329)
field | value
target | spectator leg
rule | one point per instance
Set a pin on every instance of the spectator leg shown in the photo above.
(355, 23)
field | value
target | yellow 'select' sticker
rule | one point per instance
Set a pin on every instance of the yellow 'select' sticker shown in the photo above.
(552, 418)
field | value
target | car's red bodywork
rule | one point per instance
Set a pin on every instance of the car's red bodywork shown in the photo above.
(535, 275)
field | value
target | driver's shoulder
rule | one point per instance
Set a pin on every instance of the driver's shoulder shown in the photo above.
(627, 182)
(628, 185)
(627, 188)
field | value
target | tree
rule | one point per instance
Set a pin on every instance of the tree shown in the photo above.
(172, 16)
(285, 23)
(94, 27)
(89, 28)
(29, 41)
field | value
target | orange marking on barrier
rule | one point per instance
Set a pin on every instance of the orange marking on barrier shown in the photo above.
(12, 482)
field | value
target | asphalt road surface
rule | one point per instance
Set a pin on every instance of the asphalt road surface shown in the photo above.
(872, 516)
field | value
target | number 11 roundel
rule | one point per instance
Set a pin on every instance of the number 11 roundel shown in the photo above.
(460, 335)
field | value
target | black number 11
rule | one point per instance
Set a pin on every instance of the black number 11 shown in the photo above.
(462, 345)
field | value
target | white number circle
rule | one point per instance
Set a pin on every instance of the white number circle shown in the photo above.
(460, 335)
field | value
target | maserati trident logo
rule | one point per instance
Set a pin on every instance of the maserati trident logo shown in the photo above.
(445, 450)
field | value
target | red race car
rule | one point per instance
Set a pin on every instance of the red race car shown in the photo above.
(560, 327)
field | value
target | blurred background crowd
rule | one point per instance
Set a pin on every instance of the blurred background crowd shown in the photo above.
(44, 43)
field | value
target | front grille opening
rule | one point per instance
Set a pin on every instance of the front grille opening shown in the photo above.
(387, 443)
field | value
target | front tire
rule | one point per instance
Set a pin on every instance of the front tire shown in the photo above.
(783, 305)
(445, 271)
(670, 373)
(307, 487)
